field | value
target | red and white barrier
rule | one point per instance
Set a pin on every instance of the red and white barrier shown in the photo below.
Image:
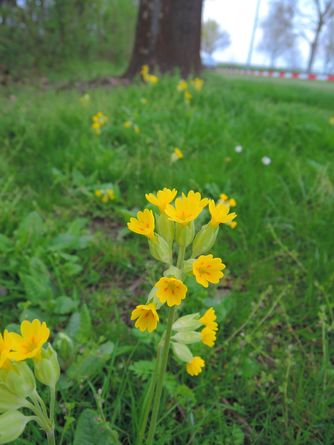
(281, 74)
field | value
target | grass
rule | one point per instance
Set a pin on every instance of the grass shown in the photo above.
(67, 258)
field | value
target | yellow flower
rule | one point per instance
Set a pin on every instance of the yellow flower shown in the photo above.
(29, 344)
(194, 367)
(136, 129)
(208, 337)
(144, 70)
(331, 120)
(233, 224)
(98, 193)
(127, 124)
(209, 319)
(188, 96)
(182, 85)
(100, 118)
(197, 83)
(152, 79)
(177, 154)
(96, 127)
(208, 270)
(220, 214)
(6, 345)
(171, 290)
(187, 208)
(232, 202)
(223, 197)
(163, 198)
(144, 223)
(146, 316)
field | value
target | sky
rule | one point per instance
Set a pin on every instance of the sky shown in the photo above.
(237, 18)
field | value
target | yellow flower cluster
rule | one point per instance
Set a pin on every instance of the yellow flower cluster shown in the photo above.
(174, 224)
(105, 195)
(129, 124)
(184, 87)
(99, 120)
(147, 77)
(18, 382)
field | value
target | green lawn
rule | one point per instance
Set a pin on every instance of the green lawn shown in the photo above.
(269, 379)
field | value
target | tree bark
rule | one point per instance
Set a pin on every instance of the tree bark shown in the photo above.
(314, 46)
(168, 37)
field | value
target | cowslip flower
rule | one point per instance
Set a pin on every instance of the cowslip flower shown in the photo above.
(187, 208)
(105, 195)
(187, 96)
(29, 344)
(182, 85)
(176, 155)
(197, 83)
(194, 367)
(144, 223)
(6, 345)
(226, 200)
(147, 317)
(162, 198)
(151, 79)
(171, 291)
(209, 319)
(208, 269)
(208, 337)
(220, 214)
(127, 124)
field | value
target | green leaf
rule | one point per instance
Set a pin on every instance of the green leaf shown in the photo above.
(143, 369)
(37, 284)
(64, 305)
(80, 325)
(92, 430)
(30, 230)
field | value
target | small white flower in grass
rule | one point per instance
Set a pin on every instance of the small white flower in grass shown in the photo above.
(238, 149)
(266, 160)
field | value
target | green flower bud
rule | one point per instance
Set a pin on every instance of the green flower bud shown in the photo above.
(173, 271)
(165, 228)
(65, 347)
(185, 234)
(187, 323)
(187, 337)
(12, 425)
(182, 352)
(160, 250)
(19, 379)
(47, 369)
(10, 401)
(152, 297)
(188, 266)
(204, 240)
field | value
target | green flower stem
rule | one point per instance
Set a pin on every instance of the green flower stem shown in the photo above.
(164, 360)
(149, 398)
(52, 403)
(51, 437)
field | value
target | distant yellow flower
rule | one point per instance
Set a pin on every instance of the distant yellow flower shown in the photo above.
(187, 96)
(98, 193)
(182, 85)
(136, 129)
(162, 199)
(197, 83)
(29, 344)
(144, 70)
(331, 120)
(152, 79)
(233, 224)
(146, 316)
(171, 290)
(208, 337)
(187, 208)
(6, 345)
(96, 127)
(144, 224)
(194, 367)
(226, 200)
(220, 214)
(98, 121)
(127, 124)
(208, 269)
(177, 154)
(105, 195)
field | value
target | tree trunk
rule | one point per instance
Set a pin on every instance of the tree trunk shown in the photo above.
(314, 46)
(168, 36)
